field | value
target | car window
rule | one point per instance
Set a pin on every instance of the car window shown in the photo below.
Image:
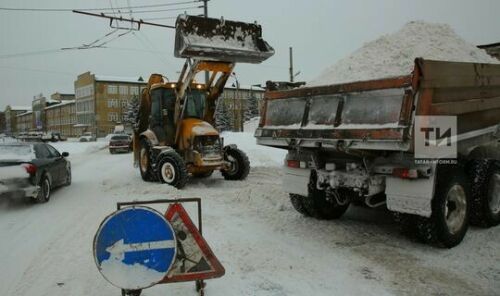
(10, 152)
(41, 151)
(53, 151)
(120, 138)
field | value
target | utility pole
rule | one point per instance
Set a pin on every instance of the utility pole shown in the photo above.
(291, 64)
(205, 13)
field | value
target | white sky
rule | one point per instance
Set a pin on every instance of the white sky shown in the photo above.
(321, 32)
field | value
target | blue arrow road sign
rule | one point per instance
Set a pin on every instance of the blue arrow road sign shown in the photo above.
(134, 248)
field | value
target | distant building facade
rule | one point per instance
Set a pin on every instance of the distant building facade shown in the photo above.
(2, 122)
(11, 113)
(24, 122)
(237, 101)
(38, 107)
(101, 101)
(61, 118)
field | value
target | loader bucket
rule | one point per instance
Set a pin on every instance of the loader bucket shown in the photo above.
(220, 40)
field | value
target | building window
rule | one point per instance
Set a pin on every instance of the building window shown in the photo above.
(123, 90)
(112, 89)
(134, 90)
(113, 103)
(124, 103)
(112, 116)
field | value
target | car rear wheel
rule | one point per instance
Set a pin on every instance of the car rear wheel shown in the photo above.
(44, 193)
(68, 177)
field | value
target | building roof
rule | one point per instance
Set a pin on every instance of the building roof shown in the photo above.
(20, 108)
(25, 113)
(484, 46)
(243, 87)
(119, 79)
(60, 104)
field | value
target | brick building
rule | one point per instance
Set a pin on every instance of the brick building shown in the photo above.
(24, 122)
(2, 122)
(11, 113)
(238, 100)
(101, 101)
(61, 118)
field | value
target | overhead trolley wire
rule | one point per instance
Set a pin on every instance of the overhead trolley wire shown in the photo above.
(97, 9)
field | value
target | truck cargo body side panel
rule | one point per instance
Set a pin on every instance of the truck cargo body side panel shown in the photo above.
(469, 91)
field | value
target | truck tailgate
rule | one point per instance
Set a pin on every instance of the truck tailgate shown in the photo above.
(359, 113)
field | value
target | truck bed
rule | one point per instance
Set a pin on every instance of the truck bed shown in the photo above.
(379, 114)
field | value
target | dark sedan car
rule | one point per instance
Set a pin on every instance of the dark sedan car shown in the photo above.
(119, 143)
(32, 170)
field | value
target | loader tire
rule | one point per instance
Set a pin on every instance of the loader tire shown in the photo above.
(145, 165)
(485, 186)
(298, 204)
(172, 169)
(451, 204)
(131, 292)
(240, 165)
(203, 175)
(317, 204)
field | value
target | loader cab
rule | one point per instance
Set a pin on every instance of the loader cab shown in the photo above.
(195, 102)
(163, 103)
(163, 99)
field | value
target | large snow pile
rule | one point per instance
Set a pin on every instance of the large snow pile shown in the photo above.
(394, 54)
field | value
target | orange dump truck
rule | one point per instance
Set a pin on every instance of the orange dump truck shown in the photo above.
(425, 145)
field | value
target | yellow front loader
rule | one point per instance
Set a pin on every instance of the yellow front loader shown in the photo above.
(175, 135)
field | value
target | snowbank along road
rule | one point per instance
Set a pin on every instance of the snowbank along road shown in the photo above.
(265, 246)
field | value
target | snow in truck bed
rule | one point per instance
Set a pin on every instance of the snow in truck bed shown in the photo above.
(393, 55)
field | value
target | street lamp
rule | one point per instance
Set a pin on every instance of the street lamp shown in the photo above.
(235, 114)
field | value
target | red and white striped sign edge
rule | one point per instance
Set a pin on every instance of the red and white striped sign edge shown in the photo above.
(202, 263)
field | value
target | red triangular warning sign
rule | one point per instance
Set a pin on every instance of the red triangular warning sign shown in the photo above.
(195, 260)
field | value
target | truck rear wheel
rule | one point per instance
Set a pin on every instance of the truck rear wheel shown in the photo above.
(319, 206)
(240, 165)
(145, 167)
(172, 169)
(449, 220)
(298, 204)
(485, 205)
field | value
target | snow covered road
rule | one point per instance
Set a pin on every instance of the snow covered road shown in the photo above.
(265, 246)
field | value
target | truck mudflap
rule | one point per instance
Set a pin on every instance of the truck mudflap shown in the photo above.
(296, 180)
(410, 196)
(220, 40)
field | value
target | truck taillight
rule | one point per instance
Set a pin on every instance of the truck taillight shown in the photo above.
(296, 164)
(30, 168)
(405, 173)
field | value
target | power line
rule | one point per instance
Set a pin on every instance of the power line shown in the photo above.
(29, 53)
(95, 9)
(170, 9)
(160, 18)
